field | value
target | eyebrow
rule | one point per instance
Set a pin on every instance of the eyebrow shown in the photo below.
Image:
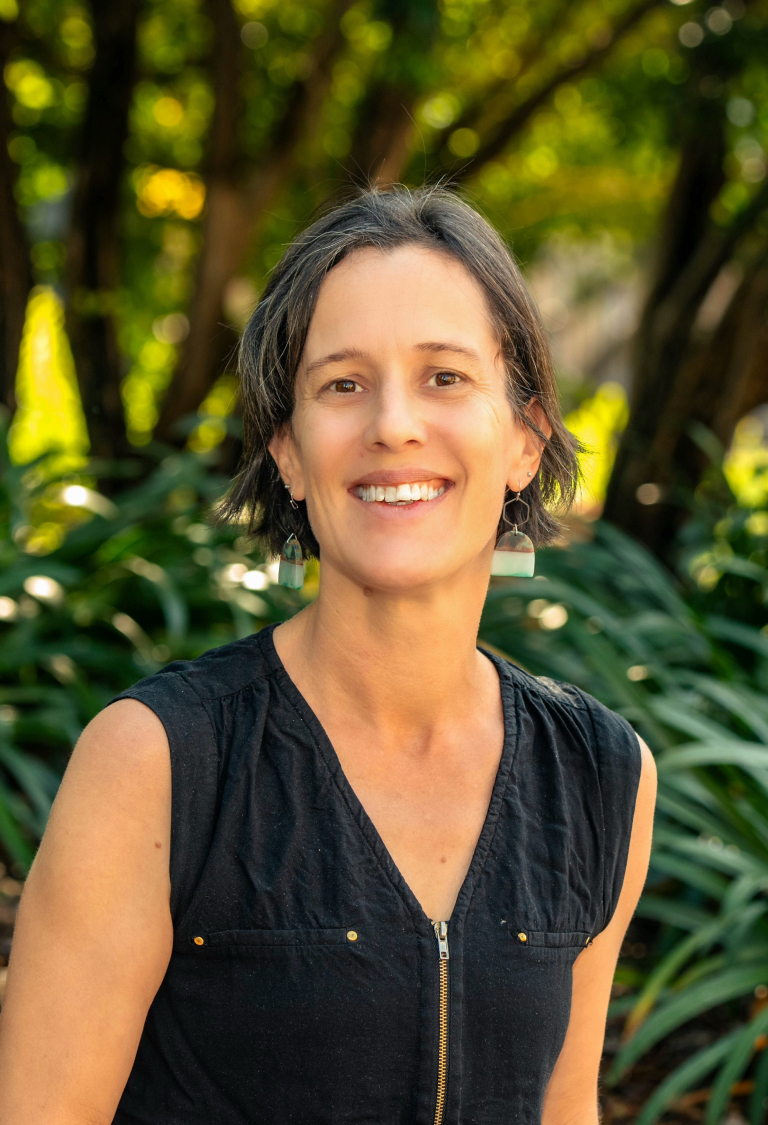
(357, 353)
(335, 357)
(447, 346)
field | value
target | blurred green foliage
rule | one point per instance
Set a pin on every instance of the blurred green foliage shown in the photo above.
(597, 157)
(96, 592)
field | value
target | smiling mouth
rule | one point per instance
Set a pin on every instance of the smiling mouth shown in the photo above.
(400, 494)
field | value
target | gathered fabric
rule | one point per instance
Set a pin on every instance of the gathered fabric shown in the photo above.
(306, 985)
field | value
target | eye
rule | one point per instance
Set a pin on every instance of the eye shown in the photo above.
(444, 379)
(344, 386)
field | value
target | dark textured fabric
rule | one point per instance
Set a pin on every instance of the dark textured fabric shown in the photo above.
(279, 1018)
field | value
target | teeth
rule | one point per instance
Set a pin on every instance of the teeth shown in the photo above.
(402, 494)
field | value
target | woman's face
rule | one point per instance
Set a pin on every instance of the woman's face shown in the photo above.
(401, 394)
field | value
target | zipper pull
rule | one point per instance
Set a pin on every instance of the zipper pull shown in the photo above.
(441, 933)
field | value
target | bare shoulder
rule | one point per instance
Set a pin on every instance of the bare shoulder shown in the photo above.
(125, 738)
(112, 814)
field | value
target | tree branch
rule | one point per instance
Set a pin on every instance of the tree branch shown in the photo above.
(384, 125)
(681, 303)
(522, 113)
(236, 202)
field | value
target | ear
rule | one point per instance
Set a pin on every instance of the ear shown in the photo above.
(286, 455)
(528, 462)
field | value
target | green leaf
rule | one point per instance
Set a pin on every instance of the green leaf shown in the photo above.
(36, 780)
(18, 848)
(744, 705)
(672, 709)
(693, 814)
(760, 1092)
(699, 997)
(688, 1074)
(737, 633)
(736, 1063)
(733, 752)
(673, 912)
(669, 966)
(712, 883)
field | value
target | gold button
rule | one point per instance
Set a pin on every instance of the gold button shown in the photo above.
(522, 937)
(351, 935)
(199, 941)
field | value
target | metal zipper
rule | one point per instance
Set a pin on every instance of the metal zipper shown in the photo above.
(441, 933)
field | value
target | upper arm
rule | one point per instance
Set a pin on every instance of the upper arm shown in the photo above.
(94, 932)
(571, 1097)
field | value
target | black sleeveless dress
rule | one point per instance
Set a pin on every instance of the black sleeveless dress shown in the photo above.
(306, 985)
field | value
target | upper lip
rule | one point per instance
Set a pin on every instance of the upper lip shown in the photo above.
(398, 476)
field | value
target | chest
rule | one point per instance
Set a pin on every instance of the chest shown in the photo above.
(428, 808)
(306, 973)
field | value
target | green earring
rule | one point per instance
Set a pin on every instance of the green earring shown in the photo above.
(514, 556)
(290, 573)
(291, 570)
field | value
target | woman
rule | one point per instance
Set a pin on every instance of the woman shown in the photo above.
(352, 869)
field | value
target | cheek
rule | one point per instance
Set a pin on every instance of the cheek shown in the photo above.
(323, 443)
(483, 436)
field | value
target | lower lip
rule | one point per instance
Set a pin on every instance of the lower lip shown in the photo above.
(401, 511)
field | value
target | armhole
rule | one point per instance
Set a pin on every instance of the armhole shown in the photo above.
(619, 760)
(194, 777)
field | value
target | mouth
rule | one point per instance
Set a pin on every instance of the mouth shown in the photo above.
(401, 495)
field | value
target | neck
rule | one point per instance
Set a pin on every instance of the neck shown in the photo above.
(396, 661)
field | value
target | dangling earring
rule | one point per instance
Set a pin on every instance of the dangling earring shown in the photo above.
(514, 556)
(290, 573)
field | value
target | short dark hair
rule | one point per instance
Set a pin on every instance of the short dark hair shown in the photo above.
(274, 338)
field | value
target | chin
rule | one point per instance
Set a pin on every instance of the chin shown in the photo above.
(401, 574)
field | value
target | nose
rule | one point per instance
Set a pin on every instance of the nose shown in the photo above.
(396, 419)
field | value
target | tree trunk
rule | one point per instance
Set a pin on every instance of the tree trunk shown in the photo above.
(382, 140)
(725, 378)
(15, 266)
(385, 126)
(237, 201)
(226, 231)
(673, 371)
(93, 253)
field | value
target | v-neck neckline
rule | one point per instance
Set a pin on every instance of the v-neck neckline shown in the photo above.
(369, 830)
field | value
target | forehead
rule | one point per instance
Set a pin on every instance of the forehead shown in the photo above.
(375, 299)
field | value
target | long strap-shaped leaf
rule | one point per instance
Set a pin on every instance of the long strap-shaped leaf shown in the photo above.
(736, 1063)
(699, 997)
(690, 872)
(19, 848)
(734, 752)
(760, 1092)
(687, 1075)
(670, 965)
